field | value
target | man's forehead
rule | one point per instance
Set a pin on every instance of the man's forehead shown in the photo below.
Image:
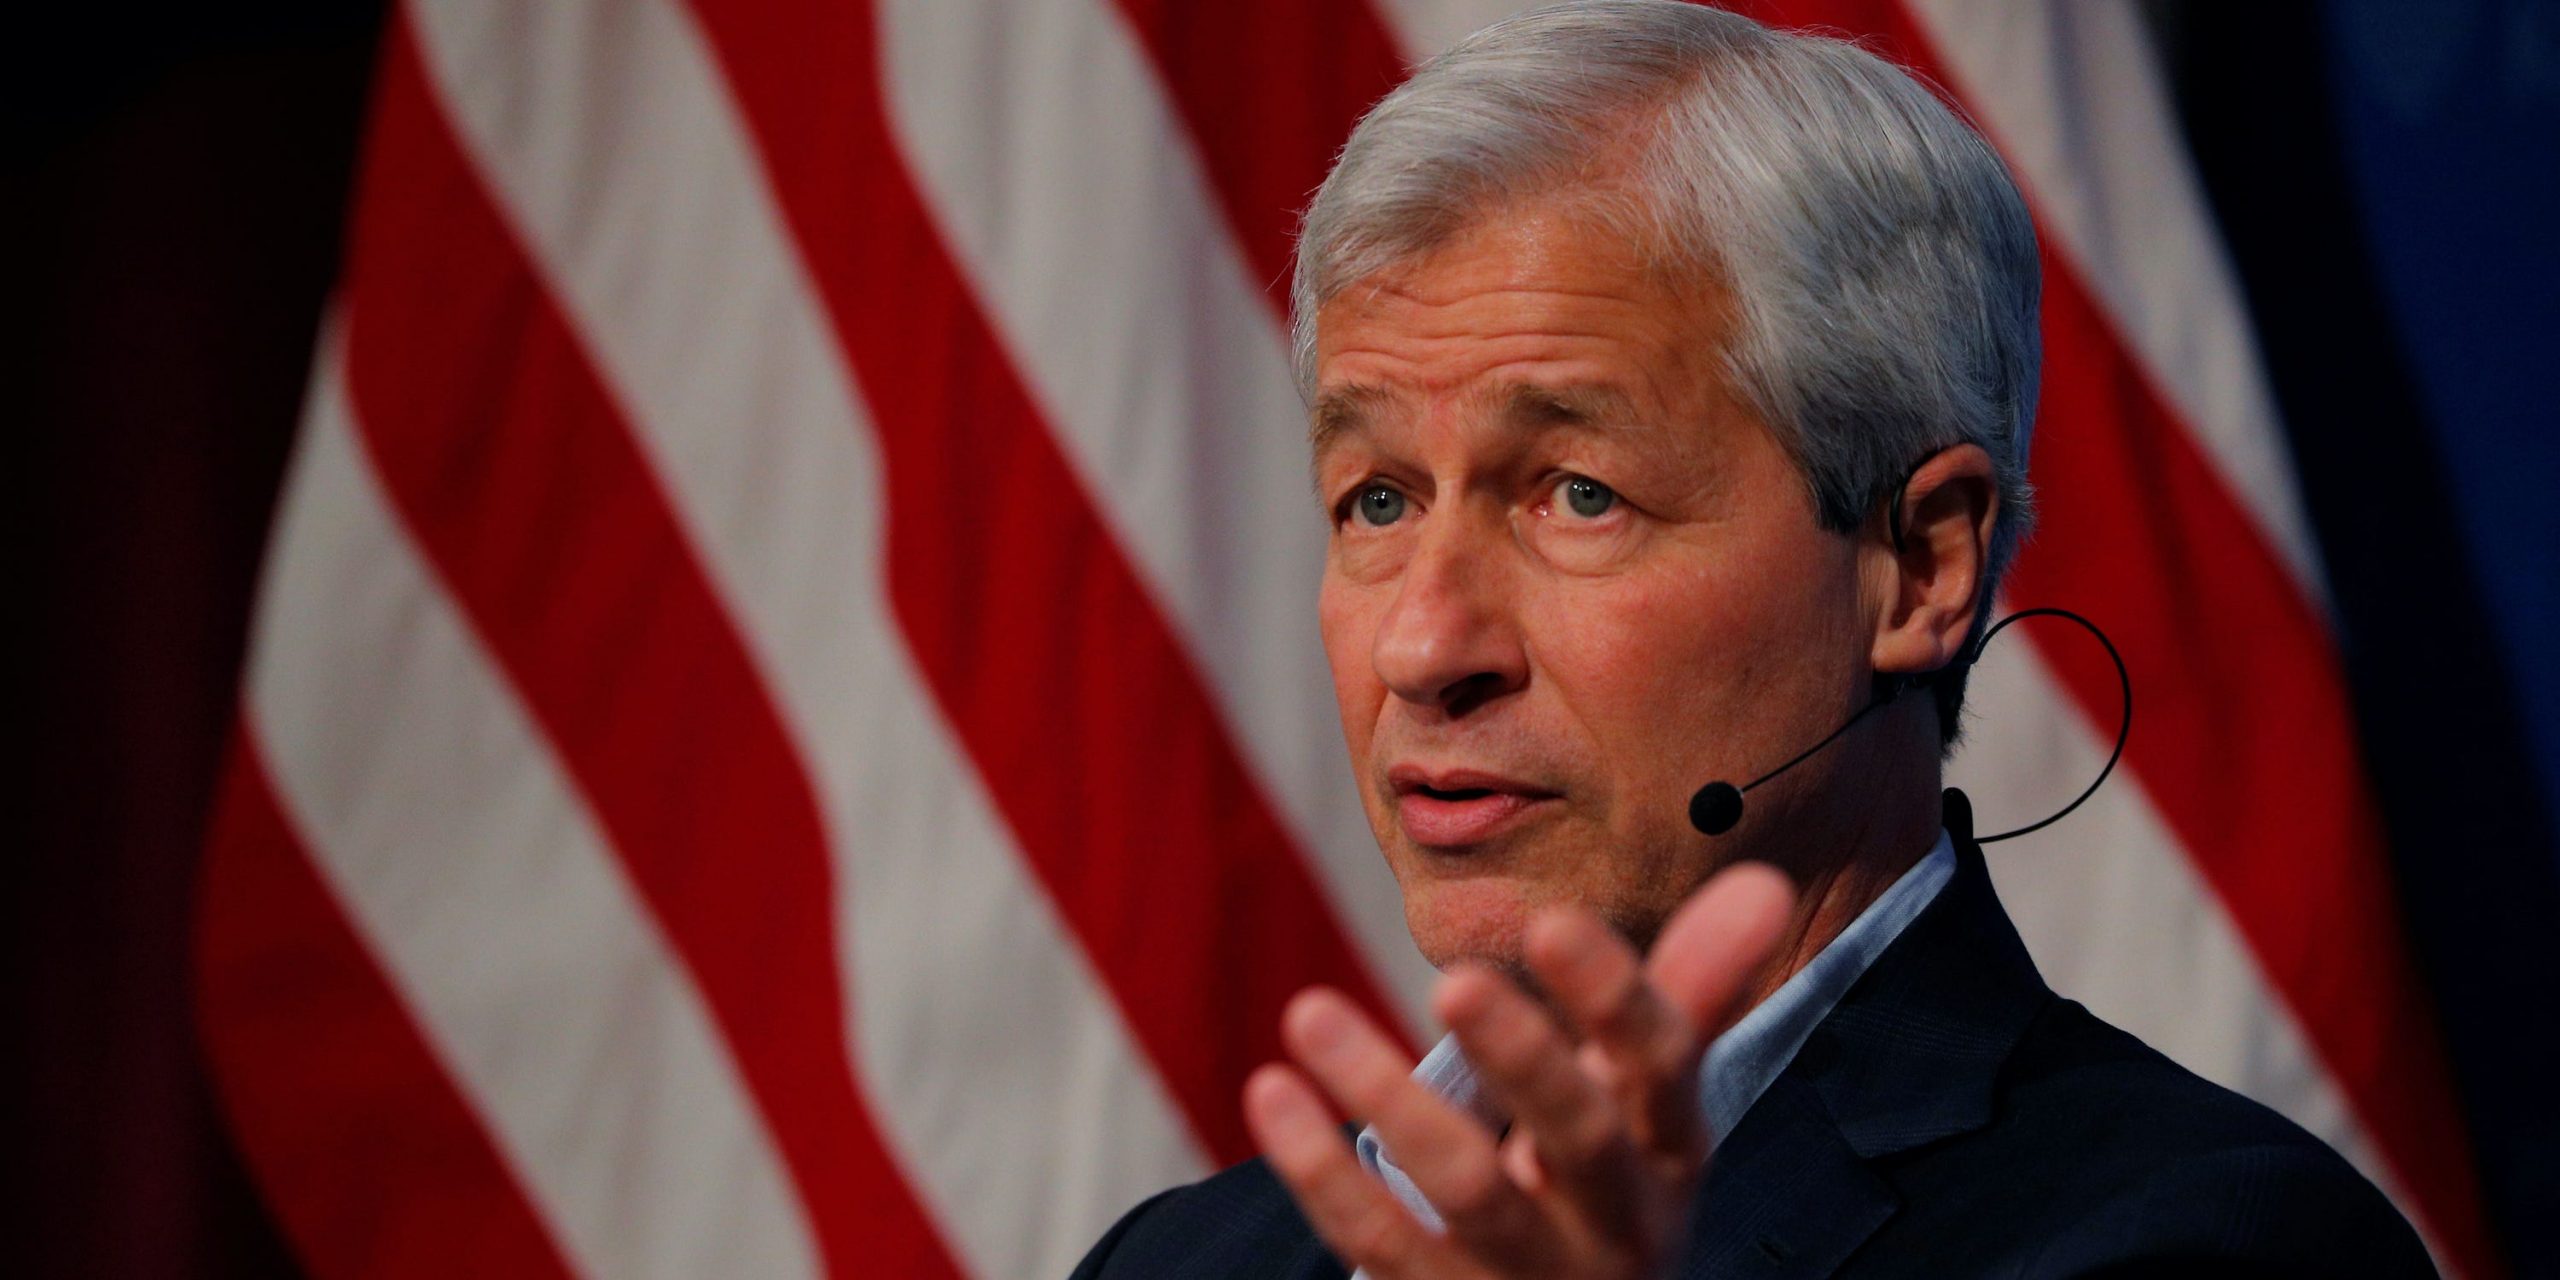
(1350, 409)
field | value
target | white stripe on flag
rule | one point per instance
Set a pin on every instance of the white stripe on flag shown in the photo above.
(1070, 193)
(2073, 96)
(1427, 27)
(442, 822)
(1001, 1073)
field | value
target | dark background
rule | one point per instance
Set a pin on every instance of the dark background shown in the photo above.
(2387, 175)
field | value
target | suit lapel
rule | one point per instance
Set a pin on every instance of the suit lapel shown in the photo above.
(1909, 1056)
(1785, 1198)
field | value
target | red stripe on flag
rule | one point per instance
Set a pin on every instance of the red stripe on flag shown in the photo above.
(512, 468)
(373, 1161)
(2247, 742)
(1270, 92)
(1082, 711)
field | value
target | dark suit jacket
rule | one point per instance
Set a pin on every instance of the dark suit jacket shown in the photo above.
(1952, 1116)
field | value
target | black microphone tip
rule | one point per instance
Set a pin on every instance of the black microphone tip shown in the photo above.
(1716, 807)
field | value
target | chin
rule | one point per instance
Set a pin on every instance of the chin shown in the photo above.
(1479, 918)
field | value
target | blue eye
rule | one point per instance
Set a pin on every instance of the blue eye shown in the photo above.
(1586, 497)
(1378, 505)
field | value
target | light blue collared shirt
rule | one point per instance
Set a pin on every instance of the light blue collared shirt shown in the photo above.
(1742, 1062)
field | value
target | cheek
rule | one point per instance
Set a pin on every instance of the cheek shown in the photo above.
(1628, 654)
(1348, 617)
(1676, 676)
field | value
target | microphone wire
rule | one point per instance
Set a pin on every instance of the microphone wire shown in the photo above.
(1893, 687)
(2124, 724)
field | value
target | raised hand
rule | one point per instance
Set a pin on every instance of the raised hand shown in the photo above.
(1607, 1140)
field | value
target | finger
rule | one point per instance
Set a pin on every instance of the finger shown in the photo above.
(1352, 1212)
(1642, 1049)
(1451, 1158)
(1581, 1144)
(1717, 943)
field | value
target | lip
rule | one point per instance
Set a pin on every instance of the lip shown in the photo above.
(1491, 805)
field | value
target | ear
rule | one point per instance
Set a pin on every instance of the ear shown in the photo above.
(1933, 586)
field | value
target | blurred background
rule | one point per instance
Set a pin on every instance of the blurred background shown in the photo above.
(676, 639)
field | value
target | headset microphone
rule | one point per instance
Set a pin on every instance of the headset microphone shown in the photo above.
(1717, 806)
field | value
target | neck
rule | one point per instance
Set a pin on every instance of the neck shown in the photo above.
(1887, 827)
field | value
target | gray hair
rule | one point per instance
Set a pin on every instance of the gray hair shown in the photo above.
(1879, 262)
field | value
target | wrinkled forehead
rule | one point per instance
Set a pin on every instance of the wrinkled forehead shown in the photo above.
(1352, 409)
(1603, 210)
(1535, 316)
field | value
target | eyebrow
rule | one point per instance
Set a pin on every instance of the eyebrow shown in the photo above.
(1342, 411)
(1347, 410)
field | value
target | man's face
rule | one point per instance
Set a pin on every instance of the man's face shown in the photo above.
(1571, 578)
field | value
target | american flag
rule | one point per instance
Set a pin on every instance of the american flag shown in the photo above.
(785, 733)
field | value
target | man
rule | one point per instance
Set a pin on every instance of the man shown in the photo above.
(1671, 384)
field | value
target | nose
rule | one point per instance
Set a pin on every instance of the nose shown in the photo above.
(1449, 643)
